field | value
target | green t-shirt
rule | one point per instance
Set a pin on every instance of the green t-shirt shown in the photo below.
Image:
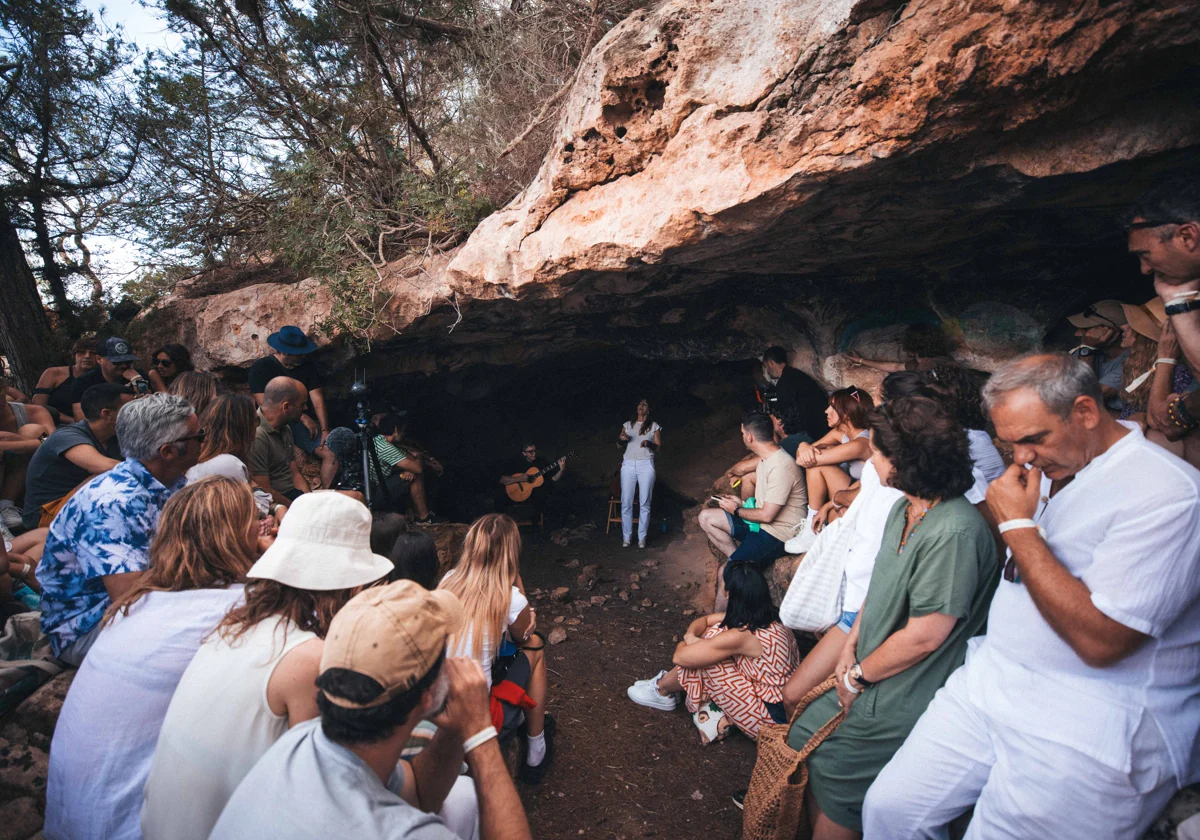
(388, 453)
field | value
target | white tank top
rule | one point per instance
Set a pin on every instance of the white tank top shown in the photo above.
(217, 727)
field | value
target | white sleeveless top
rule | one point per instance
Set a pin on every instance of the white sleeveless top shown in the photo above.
(217, 727)
(855, 468)
(104, 740)
(634, 451)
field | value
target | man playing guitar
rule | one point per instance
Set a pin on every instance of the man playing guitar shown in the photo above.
(518, 468)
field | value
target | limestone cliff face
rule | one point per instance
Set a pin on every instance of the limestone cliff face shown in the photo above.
(734, 172)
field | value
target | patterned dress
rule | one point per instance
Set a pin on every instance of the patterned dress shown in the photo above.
(741, 685)
(104, 529)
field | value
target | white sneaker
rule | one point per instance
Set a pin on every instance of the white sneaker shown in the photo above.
(647, 695)
(653, 681)
(10, 515)
(624, 543)
(641, 543)
(803, 540)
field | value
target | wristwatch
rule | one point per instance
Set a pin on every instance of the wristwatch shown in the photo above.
(857, 675)
(1186, 306)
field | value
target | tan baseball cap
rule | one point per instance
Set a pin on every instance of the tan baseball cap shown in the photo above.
(1104, 313)
(392, 634)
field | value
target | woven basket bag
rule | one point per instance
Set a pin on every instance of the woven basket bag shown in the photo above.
(775, 801)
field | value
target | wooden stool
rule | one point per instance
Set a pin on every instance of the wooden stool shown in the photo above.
(614, 511)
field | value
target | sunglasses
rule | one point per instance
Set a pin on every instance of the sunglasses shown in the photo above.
(1011, 573)
(1090, 312)
(198, 436)
(163, 363)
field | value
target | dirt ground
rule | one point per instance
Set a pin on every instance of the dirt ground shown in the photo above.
(623, 771)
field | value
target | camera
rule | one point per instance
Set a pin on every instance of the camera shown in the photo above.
(140, 386)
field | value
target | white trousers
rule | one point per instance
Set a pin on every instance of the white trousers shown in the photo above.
(460, 811)
(1021, 786)
(639, 474)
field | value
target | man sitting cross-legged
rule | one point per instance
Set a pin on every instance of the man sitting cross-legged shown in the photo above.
(383, 670)
(781, 499)
(99, 543)
(1076, 715)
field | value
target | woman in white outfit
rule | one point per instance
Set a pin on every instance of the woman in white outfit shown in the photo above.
(641, 438)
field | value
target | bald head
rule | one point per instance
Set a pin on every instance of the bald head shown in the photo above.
(283, 389)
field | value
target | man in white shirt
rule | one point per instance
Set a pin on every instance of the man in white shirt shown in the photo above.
(1077, 715)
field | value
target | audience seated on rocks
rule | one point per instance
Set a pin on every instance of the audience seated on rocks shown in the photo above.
(105, 736)
(737, 660)
(99, 543)
(1098, 329)
(22, 429)
(383, 670)
(170, 361)
(1075, 714)
(928, 595)
(116, 368)
(788, 433)
(253, 678)
(795, 392)
(404, 472)
(73, 454)
(499, 632)
(756, 535)
(272, 460)
(924, 344)
(195, 386)
(56, 385)
(835, 460)
(290, 357)
(866, 516)
(230, 425)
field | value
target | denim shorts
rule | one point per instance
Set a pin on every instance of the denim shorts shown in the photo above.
(846, 622)
(757, 547)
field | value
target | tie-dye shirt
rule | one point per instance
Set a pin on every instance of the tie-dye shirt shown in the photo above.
(104, 529)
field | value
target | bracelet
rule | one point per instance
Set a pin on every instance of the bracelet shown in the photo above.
(846, 682)
(480, 737)
(1182, 297)
(1178, 414)
(1166, 361)
(1015, 524)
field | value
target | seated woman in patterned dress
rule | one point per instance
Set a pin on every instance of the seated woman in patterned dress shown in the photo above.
(738, 659)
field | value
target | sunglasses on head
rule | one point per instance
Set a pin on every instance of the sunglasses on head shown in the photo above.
(1153, 223)
(1090, 312)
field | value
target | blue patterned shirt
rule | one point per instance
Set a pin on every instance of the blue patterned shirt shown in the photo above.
(104, 529)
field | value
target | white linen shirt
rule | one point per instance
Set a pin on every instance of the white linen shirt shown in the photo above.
(1128, 526)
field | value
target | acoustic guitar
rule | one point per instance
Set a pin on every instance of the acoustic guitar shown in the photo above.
(532, 479)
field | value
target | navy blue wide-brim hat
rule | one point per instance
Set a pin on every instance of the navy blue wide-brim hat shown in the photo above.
(291, 341)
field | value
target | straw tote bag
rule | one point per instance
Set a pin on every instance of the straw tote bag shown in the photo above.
(775, 801)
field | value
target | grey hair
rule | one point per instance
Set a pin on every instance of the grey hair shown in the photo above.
(1058, 379)
(144, 426)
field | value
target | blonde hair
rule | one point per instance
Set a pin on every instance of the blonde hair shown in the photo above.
(203, 541)
(483, 579)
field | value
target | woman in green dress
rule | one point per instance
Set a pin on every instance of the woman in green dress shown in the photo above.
(929, 593)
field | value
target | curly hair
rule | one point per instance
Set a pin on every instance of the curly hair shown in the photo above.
(956, 388)
(927, 447)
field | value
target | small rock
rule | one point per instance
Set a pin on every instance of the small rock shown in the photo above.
(635, 629)
(646, 602)
(598, 600)
(635, 577)
(689, 612)
(679, 586)
(572, 564)
(697, 795)
(623, 595)
(559, 619)
(574, 622)
(560, 594)
(635, 587)
(649, 564)
(557, 635)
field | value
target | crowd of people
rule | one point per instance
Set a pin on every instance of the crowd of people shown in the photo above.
(261, 654)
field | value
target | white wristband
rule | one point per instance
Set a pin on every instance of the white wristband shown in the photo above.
(1166, 361)
(846, 682)
(1182, 297)
(1015, 524)
(480, 737)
